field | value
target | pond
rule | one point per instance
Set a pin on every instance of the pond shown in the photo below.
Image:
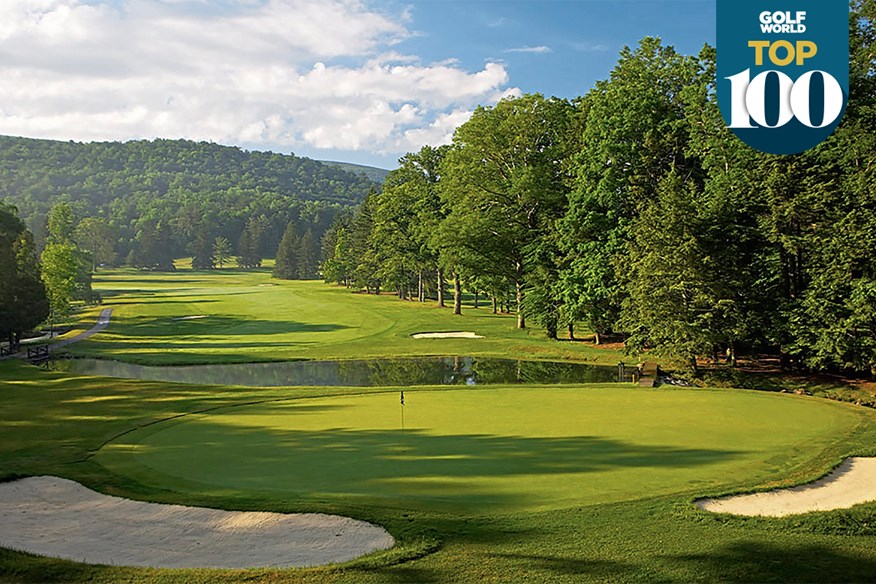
(371, 372)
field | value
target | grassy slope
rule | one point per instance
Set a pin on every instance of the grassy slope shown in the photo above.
(52, 424)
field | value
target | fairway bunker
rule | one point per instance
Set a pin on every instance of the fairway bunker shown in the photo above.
(851, 483)
(450, 335)
(59, 518)
(363, 373)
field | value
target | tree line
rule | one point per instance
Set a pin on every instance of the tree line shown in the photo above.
(633, 210)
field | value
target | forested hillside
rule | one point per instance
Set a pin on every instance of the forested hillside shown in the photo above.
(378, 175)
(185, 193)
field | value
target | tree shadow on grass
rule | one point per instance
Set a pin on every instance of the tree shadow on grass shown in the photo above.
(761, 562)
(410, 468)
(405, 574)
(565, 566)
(141, 326)
(191, 300)
(100, 278)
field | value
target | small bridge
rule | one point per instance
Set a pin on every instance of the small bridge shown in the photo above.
(648, 374)
(645, 374)
(38, 354)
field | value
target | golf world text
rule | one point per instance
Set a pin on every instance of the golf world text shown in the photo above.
(783, 22)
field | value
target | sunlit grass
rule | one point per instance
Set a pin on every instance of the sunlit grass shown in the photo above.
(485, 450)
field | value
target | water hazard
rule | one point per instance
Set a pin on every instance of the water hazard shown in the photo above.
(371, 372)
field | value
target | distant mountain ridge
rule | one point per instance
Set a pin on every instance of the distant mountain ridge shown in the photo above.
(374, 173)
(37, 170)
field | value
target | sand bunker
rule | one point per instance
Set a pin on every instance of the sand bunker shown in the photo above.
(453, 335)
(193, 317)
(55, 517)
(851, 483)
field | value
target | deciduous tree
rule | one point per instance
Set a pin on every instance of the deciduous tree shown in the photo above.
(504, 186)
(23, 300)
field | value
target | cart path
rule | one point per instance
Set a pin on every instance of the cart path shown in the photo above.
(102, 322)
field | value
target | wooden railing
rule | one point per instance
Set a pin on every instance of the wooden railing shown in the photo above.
(38, 354)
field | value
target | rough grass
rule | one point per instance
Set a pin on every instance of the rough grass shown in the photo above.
(52, 423)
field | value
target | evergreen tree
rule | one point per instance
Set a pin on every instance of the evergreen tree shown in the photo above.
(362, 260)
(308, 256)
(221, 251)
(249, 254)
(153, 249)
(202, 250)
(832, 321)
(286, 266)
(672, 304)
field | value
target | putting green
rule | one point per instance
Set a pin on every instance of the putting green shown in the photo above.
(484, 450)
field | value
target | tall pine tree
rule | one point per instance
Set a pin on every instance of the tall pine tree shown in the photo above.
(286, 266)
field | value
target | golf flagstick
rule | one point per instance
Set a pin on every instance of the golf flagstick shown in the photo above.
(402, 400)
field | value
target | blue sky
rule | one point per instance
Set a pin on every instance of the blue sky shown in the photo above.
(554, 47)
(355, 80)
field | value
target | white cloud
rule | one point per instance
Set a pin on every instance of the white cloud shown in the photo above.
(277, 73)
(439, 132)
(590, 47)
(538, 50)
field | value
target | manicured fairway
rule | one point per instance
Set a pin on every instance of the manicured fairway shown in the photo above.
(484, 450)
(199, 317)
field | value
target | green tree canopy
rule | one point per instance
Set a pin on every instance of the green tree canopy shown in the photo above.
(23, 300)
(504, 185)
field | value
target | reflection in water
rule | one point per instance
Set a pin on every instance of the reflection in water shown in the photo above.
(373, 372)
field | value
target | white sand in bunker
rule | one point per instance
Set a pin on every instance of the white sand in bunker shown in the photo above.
(450, 335)
(851, 483)
(56, 517)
